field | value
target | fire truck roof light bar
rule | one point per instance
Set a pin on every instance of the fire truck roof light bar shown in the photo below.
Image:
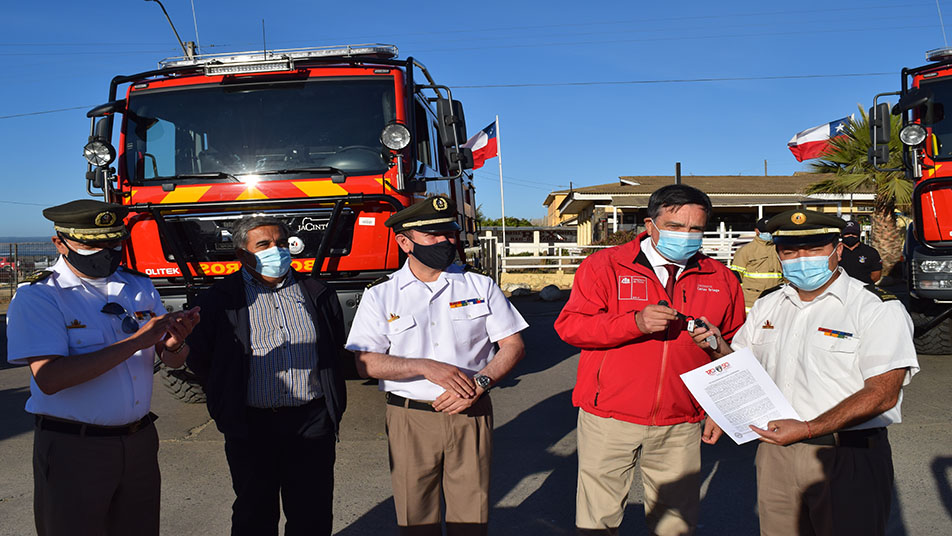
(282, 56)
(939, 54)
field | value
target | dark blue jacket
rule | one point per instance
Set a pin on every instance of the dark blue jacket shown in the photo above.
(220, 350)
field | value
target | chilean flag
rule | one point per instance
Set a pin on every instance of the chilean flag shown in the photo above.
(483, 144)
(813, 142)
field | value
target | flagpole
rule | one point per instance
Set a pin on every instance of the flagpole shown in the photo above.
(502, 198)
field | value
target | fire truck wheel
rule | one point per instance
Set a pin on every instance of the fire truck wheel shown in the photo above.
(181, 384)
(936, 341)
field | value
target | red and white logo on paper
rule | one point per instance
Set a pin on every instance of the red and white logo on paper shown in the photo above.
(631, 287)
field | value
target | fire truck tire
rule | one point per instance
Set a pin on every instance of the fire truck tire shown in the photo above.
(182, 384)
(936, 341)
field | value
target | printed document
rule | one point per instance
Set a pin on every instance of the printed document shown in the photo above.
(736, 392)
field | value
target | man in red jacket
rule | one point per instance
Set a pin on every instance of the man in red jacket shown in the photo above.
(623, 314)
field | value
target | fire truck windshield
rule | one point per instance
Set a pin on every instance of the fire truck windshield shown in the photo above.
(932, 114)
(211, 132)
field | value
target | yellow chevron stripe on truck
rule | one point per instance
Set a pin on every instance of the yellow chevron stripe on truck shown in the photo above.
(319, 188)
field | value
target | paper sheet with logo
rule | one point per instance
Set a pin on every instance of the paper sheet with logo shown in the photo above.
(736, 392)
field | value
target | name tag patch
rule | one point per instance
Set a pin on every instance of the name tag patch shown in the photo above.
(707, 288)
(631, 287)
(464, 303)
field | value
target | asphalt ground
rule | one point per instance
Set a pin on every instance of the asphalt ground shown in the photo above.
(534, 464)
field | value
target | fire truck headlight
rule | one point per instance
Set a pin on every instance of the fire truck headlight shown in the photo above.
(395, 136)
(912, 134)
(935, 266)
(99, 153)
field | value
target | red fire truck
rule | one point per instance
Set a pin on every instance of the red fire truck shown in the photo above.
(331, 140)
(926, 136)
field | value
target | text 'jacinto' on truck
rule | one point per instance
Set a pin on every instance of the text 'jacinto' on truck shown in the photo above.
(331, 140)
(926, 136)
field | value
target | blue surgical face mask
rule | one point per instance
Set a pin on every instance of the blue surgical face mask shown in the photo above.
(273, 262)
(677, 246)
(764, 236)
(808, 273)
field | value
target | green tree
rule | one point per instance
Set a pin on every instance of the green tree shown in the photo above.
(510, 222)
(847, 160)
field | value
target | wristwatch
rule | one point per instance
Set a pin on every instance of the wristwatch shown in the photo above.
(483, 381)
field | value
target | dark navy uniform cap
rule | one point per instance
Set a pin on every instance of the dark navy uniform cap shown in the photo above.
(800, 227)
(88, 220)
(432, 215)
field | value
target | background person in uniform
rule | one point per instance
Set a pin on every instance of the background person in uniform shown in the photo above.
(428, 332)
(268, 356)
(90, 332)
(757, 265)
(840, 351)
(859, 260)
(632, 403)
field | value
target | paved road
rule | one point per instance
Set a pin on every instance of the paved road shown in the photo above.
(533, 489)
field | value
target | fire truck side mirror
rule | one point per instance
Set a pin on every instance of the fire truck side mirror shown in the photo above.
(96, 178)
(879, 126)
(452, 122)
(879, 123)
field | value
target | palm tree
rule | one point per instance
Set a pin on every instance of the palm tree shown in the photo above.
(847, 161)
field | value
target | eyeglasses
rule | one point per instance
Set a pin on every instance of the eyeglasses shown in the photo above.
(129, 324)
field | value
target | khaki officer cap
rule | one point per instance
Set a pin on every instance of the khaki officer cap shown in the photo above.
(800, 227)
(88, 220)
(432, 215)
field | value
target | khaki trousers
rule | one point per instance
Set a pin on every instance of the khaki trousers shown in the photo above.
(96, 485)
(670, 469)
(823, 490)
(433, 453)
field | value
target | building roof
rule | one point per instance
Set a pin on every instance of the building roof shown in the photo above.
(729, 190)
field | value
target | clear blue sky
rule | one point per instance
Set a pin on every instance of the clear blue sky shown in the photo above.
(58, 54)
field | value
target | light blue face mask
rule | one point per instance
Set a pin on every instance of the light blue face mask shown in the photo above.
(677, 246)
(273, 262)
(764, 236)
(808, 273)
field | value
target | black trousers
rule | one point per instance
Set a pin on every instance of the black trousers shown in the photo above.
(291, 452)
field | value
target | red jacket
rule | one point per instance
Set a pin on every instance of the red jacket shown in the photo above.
(623, 373)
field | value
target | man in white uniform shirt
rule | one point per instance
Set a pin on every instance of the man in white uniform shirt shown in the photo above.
(428, 333)
(89, 332)
(840, 351)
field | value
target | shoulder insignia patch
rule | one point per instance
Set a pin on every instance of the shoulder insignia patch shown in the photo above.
(769, 290)
(880, 293)
(36, 277)
(379, 280)
(133, 272)
(475, 270)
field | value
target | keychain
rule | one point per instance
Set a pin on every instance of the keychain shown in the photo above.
(693, 323)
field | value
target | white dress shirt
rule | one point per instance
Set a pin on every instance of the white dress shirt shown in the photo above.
(455, 319)
(821, 351)
(61, 316)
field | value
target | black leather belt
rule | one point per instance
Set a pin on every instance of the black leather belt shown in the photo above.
(77, 428)
(859, 439)
(397, 400)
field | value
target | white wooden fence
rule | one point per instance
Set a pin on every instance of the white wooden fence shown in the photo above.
(720, 245)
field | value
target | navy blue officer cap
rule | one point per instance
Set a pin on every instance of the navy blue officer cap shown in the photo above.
(799, 227)
(89, 220)
(432, 215)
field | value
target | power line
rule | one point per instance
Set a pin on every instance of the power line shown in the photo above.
(675, 80)
(88, 106)
(603, 83)
(23, 203)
